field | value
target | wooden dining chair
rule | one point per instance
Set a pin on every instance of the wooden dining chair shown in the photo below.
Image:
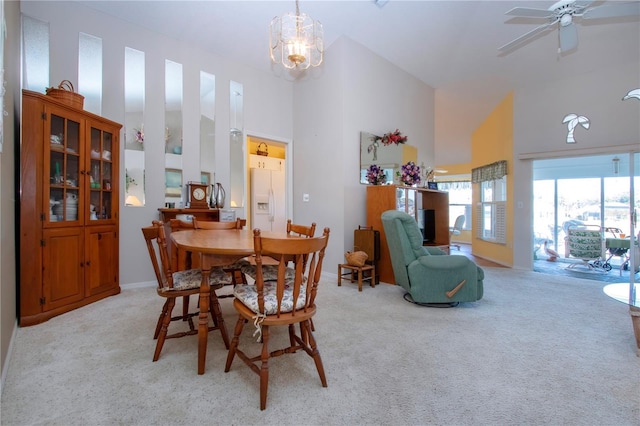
(237, 276)
(287, 301)
(301, 230)
(270, 266)
(181, 259)
(172, 285)
(209, 224)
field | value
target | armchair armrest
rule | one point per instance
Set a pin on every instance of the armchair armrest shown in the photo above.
(435, 251)
(445, 262)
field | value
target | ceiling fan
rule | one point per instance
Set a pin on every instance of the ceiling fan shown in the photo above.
(562, 13)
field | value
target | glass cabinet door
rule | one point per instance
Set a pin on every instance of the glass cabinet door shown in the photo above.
(406, 200)
(62, 166)
(101, 175)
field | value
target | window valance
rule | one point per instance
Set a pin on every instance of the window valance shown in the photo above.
(491, 171)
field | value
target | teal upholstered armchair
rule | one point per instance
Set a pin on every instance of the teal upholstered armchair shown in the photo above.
(427, 273)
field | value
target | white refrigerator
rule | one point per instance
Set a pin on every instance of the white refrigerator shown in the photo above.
(268, 190)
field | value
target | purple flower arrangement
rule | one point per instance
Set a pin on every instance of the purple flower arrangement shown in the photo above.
(375, 175)
(410, 174)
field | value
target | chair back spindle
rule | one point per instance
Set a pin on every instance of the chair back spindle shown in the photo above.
(159, 254)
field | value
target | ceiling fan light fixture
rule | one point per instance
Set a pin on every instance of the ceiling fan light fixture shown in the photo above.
(566, 19)
(296, 40)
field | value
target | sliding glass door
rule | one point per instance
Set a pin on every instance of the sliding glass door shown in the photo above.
(584, 191)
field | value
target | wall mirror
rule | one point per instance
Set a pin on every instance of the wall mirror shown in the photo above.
(236, 145)
(207, 127)
(390, 158)
(134, 62)
(173, 130)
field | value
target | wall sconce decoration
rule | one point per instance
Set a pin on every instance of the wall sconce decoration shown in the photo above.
(573, 120)
(635, 93)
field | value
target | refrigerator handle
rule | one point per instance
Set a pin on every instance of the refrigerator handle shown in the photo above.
(272, 207)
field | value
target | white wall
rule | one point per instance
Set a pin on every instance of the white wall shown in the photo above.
(357, 91)
(267, 100)
(7, 198)
(539, 131)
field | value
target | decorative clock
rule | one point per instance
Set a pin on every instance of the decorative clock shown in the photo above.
(198, 195)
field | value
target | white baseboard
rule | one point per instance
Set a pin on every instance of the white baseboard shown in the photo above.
(131, 286)
(499, 262)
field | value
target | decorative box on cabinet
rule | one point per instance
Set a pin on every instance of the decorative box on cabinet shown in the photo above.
(69, 176)
(381, 198)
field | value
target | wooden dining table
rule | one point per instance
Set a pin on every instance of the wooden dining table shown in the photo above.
(215, 248)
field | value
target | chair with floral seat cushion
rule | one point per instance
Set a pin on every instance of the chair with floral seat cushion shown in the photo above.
(280, 303)
(270, 267)
(181, 259)
(237, 276)
(585, 242)
(172, 285)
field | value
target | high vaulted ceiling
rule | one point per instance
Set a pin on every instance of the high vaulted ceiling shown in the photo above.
(450, 45)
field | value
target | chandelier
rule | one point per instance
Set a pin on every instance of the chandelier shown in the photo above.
(296, 40)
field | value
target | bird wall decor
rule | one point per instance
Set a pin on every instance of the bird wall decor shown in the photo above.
(635, 93)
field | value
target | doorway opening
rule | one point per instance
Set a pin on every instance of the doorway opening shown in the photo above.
(579, 193)
(269, 182)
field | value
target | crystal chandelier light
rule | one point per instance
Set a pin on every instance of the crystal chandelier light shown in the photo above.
(296, 40)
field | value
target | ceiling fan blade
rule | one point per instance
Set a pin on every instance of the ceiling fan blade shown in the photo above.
(612, 10)
(568, 37)
(582, 3)
(525, 37)
(529, 12)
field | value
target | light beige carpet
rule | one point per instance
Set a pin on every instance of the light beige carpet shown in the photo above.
(537, 350)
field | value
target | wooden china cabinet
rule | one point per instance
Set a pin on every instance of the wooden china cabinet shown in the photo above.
(69, 176)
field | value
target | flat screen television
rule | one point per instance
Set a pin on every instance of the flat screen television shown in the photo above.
(427, 224)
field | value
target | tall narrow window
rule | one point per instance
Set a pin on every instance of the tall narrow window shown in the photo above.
(236, 142)
(35, 54)
(90, 72)
(173, 132)
(207, 127)
(134, 95)
(491, 211)
(493, 196)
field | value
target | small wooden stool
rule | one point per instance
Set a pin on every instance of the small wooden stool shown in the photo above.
(359, 271)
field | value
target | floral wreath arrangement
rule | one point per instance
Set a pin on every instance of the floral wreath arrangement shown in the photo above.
(410, 174)
(392, 138)
(375, 175)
